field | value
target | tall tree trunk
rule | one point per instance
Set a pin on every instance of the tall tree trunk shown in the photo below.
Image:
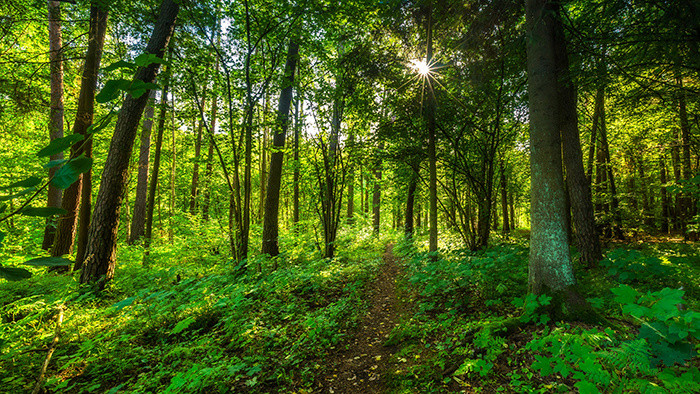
(351, 180)
(410, 202)
(173, 160)
(65, 233)
(418, 217)
(206, 204)
(56, 112)
(85, 212)
(511, 202)
(579, 191)
(138, 219)
(432, 156)
(271, 221)
(377, 194)
(687, 203)
(665, 203)
(263, 157)
(102, 240)
(297, 130)
(550, 267)
(676, 163)
(153, 187)
(504, 200)
(614, 198)
(194, 188)
(597, 107)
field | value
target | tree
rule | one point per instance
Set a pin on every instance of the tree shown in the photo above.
(56, 111)
(102, 240)
(550, 267)
(138, 220)
(270, 233)
(65, 233)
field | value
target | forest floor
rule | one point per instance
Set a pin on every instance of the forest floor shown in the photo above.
(362, 363)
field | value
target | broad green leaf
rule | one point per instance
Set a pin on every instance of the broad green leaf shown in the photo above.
(29, 182)
(625, 294)
(138, 88)
(69, 173)
(54, 163)
(49, 262)
(60, 144)
(14, 274)
(111, 90)
(101, 124)
(585, 387)
(43, 212)
(124, 303)
(118, 65)
(146, 59)
(181, 326)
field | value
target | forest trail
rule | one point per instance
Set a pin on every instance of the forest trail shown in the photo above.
(360, 364)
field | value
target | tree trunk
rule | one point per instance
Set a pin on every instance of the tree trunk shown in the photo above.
(665, 203)
(687, 203)
(153, 187)
(587, 238)
(263, 157)
(432, 156)
(85, 212)
(171, 205)
(271, 221)
(102, 240)
(351, 180)
(210, 159)
(138, 219)
(550, 267)
(297, 130)
(65, 233)
(377, 194)
(504, 200)
(410, 202)
(56, 112)
(194, 188)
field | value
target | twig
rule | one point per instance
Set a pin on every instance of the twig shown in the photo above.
(54, 344)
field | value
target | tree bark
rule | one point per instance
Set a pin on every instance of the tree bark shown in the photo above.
(351, 180)
(665, 203)
(271, 221)
(410, 202)
(138, 219)
(155, 174)
(550, 267)
(102, 240)
(55, 113)
(687, 203)
(194, 187)
(504, 200)
(210, 158)
(587, 238)
(377, 193)
(297, 130)
(65, 233)
(432, 156)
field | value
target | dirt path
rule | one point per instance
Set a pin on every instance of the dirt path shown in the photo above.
(361, 363)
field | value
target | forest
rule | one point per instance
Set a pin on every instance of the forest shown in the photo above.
(351, 196)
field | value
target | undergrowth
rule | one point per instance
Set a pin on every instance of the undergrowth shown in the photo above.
(190, 321)
(473, 327)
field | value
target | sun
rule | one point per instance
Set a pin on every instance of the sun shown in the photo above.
(421, 67)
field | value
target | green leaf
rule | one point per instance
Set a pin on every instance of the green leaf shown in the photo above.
(146, 59)
(54, 163)
(69, 173)
(124, 303)
(60, 144)
(14, 274)
(29, 182)
(49, 262)
(19, 194)
(42, 212)
(118, 65)
(138, 88)
(625, 294)
(111, 90)
(181, 326)
(585, 387)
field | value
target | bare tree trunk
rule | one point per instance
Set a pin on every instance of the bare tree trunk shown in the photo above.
(377, 193)
(297, 130)
(687, 203)
(271, 222)
(102, 240)
(504, 200)
(550, 268)
(173, 160)
(153, 187)
(194, 188)
(210, 160)
(56, 112)
(351, 180)
(85, 212)
(410, 202)
(65, 234)
(579, 191)
(432, 156)
(263, 157)
(665, 203)
(138, 220)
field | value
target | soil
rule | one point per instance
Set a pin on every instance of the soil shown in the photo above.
(362, 363)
